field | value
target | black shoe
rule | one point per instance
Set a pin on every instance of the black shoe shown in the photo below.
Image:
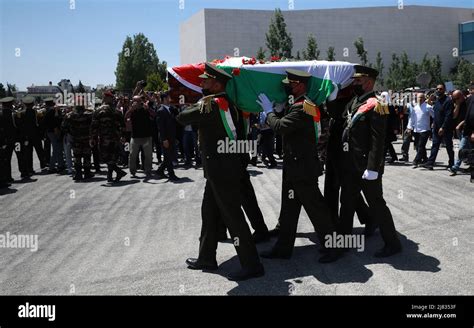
(403, 159)
(259, 237)
(331, 255)
(370, 229)
(428, 166)
(387, 251)
(77, 177)
(272, 165)
(274, 232)
(391, 161)
(88, 175)
(160, 175)
(120, 175)
(247, 273)
(453, 172)
(10, 180)
(195, 264)
(274, 254)
(173, 178)
(5, 185)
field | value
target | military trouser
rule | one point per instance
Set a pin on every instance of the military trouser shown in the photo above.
(373, 192)
(332, 186)
(250, 206)
(18, 148)
(294, 196)
(222, 201)
(28, 153)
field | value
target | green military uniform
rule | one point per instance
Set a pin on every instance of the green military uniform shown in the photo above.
(223, 172)
(301, 169)
(364, 135)
(77, 123)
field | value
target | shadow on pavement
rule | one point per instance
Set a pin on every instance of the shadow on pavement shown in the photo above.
(7, 191)
(281, 275)
(121, 183)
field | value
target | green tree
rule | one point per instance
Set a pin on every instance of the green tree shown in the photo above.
(462, 74)
(3, 92)
(311, 52)
(278, 40)
(155, 83)
(261, 54)
(298, 56)
(361, 52)
(331, 54)
(379, 67)
(137, 60)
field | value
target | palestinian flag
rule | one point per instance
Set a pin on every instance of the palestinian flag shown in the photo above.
(252, 78)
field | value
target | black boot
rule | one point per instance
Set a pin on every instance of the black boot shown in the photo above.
(120, 173)
(78, 169)
(110, 170)
(87, 172)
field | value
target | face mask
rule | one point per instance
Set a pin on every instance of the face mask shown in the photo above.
(358, 90)
(288, 90)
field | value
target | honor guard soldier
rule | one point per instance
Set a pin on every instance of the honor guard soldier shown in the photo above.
(218, 119)
(301, 168)
(364, 138)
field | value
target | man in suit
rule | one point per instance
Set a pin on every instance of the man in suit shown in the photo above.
(301, 168)
(218, 121)
(167, 127)
(364, 139)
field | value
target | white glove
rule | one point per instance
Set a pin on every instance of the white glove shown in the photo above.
(263, 118)
(370, 175)
(265, 103)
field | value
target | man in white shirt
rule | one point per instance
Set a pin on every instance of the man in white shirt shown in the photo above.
(419, 126)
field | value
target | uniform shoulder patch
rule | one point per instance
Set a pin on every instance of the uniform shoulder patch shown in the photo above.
(381, 107)
(310, 108)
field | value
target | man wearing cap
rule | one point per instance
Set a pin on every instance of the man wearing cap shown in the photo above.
(77, 123)
(301, 168)
(106, 131)
(364, 139)
(218, 120)
(12, 138)
(30, 132)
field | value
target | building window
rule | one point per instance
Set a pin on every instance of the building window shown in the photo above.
(466, 38)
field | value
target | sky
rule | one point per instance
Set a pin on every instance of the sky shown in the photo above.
(48, 40)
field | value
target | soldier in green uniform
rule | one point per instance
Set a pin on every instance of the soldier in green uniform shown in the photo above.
(219, 119)
(78, 123)
(301, 168)
(364, 138)
(106, 131)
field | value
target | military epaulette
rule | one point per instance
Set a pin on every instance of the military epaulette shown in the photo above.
(206, 104)
(381, 107)
(310, 108)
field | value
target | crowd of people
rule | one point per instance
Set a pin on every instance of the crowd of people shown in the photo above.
(150, 134)
(358, 129)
